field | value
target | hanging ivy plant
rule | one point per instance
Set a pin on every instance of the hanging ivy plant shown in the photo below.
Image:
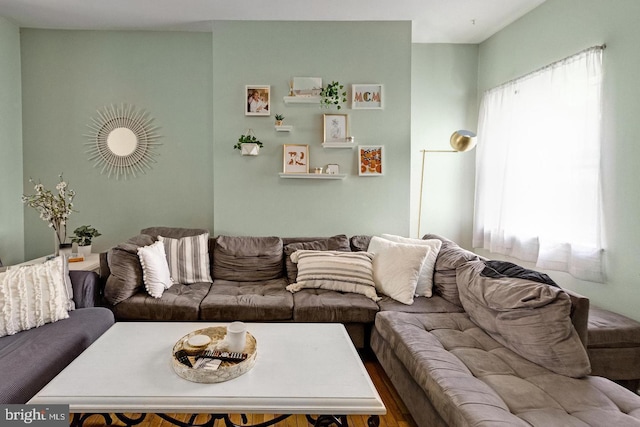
(333, 95)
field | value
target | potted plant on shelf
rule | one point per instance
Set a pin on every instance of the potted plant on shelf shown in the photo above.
(333, 95)
(248, 144)
(83, 237)
(279, 119)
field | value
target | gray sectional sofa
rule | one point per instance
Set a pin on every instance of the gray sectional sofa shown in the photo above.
(451, 365)
(32, 358)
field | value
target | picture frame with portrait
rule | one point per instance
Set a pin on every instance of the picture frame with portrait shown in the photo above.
(257, 100)
(295, 158)
(335, 127)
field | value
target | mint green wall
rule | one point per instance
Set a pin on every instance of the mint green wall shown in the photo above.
(67, 76)
(249, 196)
(11, 220)
(557, 29)
(443, 100)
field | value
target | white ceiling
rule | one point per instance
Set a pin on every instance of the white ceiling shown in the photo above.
(433, 21)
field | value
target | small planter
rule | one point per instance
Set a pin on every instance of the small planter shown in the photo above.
(85, 251)
(279, 122)
(249, 149)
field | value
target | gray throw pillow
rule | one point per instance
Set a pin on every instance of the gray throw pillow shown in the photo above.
(126, 272)
(530, 318)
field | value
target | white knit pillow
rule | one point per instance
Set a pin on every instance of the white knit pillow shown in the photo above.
(155, 270)
(335, 270)
(188, 258)
(31, 296)
(424, 288)
(396, 267)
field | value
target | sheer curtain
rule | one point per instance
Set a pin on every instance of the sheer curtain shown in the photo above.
(538, 193)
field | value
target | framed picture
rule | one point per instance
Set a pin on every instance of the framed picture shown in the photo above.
(257, 100)
(371, 160)
(366, 96)
(336, 127)
(295, 158)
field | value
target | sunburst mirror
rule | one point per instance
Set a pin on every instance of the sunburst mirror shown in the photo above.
(122, 141)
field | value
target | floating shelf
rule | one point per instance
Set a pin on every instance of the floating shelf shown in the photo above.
(313, 175)
(302, 99)
(338, 144)
(288, 128)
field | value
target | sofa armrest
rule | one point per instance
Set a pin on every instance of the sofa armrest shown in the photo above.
(86, 288)
(580, 315)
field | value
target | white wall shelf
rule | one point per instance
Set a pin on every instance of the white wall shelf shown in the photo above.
(313, 175)
(338, 144)
(302, 99)
(288, 128)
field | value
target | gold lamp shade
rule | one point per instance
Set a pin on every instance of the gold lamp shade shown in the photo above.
(463, 140)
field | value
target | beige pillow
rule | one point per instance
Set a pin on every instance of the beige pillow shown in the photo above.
(397, 267)
(424, 288)
(155, 269)
(336, 271)
(530, 318)
(336, 243)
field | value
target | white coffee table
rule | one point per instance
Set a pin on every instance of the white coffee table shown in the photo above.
(301, 368)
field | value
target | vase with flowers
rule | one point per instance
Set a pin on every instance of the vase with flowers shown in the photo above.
(54, 207)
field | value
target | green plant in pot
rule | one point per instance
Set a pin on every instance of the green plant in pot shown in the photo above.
(333, 95)
(279, 119)
(248, 144)
(83, 237)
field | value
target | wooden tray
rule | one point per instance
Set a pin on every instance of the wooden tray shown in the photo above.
(226, 371)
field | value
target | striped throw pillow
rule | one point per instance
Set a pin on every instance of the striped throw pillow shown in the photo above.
(188, 258)
(335, 270)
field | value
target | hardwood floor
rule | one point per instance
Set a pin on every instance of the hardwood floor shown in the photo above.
(397, 414)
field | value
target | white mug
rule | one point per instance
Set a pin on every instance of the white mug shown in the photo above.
(236, 337)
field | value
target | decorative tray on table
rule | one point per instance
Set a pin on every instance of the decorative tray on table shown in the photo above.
(227, 370)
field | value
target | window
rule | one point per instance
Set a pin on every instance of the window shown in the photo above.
(538, 193)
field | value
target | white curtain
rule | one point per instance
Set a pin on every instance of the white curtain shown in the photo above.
(538, 194)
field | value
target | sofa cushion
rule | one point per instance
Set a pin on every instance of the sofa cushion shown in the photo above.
(33, 295)
(247, 259)
(450, 257)
(471, 379)
(247, 301)
(336, 243)
(335, 270)
(530, 318)
(173, 232)
(424, 288)
(179, 302)
(397, 267)
(434, 304)
(188, 258)
(323, 305)
(125, 279)
(30, 359)
(359, 243)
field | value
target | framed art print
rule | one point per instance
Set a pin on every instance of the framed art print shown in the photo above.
(371, 160)
(366, 96)
(295, 158)
(336, 127)
(257, 100)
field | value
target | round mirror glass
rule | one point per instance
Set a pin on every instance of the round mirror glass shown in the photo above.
(122, 141)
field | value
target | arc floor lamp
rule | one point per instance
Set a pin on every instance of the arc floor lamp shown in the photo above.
(461, 141)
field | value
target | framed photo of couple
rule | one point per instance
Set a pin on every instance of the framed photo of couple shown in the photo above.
(257, 100)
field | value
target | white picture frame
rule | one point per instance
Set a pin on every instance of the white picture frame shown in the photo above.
(335, 127)
(367, 96)
(371, 161)
(257, 100)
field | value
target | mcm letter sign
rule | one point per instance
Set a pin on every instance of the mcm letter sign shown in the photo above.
(366, 96)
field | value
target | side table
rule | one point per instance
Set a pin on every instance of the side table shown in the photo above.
(90, 263)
